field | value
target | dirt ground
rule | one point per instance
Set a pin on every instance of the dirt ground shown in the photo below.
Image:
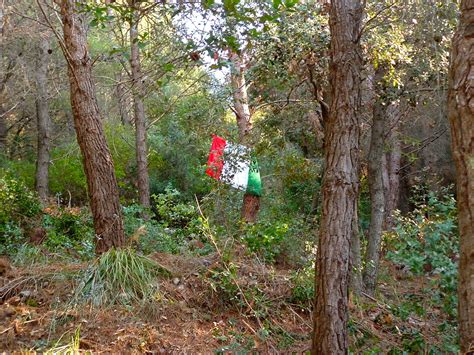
(35, 314)
(187, 316)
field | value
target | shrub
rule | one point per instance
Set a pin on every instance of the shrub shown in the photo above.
(17, 202)
(10, 237)
(266, 238)
(171, 211)
(427, 241)
(71, 222)
(154, 237)
(303, 286)
(17, 205)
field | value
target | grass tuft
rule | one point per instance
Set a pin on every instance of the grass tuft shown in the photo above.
(71, 348)
(120, 276)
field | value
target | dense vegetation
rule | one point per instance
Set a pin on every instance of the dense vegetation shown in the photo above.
(133, 248)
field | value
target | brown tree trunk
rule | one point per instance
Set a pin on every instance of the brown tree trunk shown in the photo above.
(355, 265)
(461, 116)
(139, 111)
(251, 203)
(121, 93)
(250, 208)
(392, 164)
(376, 183)
(3, 124)
(97, 160)
(340, 182)
(43, 121)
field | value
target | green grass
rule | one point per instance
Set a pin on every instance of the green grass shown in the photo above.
(120, 276)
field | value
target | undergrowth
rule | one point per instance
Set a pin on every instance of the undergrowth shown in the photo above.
(119, 276)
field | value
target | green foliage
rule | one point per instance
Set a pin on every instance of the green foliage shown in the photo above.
(427, 241)
(266, 238)
(18, 206)
(299, 177)
(73, 223)
(223, 281)
(119, 276)
(154, 237)
(303, 286)
(171, 211)
(10, 238)
(66, 174)
(17, 202)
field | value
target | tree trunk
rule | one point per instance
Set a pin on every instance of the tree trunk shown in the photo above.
(251, 203)
(139, 111)
(97, 160)
(461, 116)
(376, 183)
(355, 265)
(43, 120)
(392, 163)
(340, 182)
(3, 124)
(121, 93)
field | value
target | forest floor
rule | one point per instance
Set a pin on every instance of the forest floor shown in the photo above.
(195, 312)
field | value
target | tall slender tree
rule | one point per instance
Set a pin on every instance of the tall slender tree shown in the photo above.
(121, 92)
(97, 160)
(375, 177)
(43, 119)
(461, 116)
(138, 92)
(251, 203)
(3, 81)
(340, 182)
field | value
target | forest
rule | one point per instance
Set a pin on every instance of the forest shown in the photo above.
(236, 176)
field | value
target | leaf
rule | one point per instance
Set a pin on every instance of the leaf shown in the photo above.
(207, 4)
(290, 3)
(168, 67)
(232, 42)
(231, 5)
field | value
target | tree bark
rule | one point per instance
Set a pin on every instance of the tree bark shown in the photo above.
(43, 121)
(251, 203)
(121, 92)
(340, 182)
(461, 116)
(376, 183)
(3, 124)
(355, 265)
(139, 111)
(392, 164)
(97, 160)
(240, 96)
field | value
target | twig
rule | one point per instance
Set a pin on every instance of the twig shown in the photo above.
(211, 237)
(5, 330)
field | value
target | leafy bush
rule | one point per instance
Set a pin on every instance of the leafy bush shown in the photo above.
(171, 211)
(17, 205)
(266, 238)
(10, 237)
(427, 241)
(153, 237)
(66, 175)
(17, 202)
(71, 222)
(303, 286)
